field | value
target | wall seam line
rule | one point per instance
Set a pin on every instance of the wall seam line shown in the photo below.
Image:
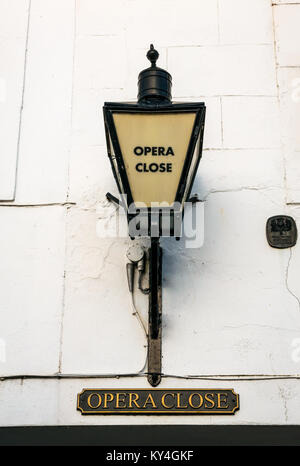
(67, 203)
(22, 100)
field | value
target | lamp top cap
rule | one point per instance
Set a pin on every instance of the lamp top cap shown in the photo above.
(154, 84)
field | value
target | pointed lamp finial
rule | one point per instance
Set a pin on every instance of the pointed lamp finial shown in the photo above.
(152, 55)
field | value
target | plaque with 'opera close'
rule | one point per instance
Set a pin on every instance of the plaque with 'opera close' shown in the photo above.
(156, 401)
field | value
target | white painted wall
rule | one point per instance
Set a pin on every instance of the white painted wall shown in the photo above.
(231, 309)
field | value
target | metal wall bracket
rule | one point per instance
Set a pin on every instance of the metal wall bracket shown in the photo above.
(111, 198)
(155, 313)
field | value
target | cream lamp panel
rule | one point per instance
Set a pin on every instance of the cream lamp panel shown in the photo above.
(154, 148)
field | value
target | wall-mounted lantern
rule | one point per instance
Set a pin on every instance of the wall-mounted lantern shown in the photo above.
(154, 146)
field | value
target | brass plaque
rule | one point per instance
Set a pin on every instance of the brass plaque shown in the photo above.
(156, 401)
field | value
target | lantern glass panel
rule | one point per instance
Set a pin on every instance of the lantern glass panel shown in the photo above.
(154, 148)
(192, 170)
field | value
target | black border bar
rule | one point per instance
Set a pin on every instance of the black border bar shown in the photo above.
(141, 435)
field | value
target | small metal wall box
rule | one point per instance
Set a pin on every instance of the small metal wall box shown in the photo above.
(281, 231)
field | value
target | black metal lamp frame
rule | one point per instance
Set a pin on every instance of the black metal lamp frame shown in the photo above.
(154, 98)
(115, 152)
